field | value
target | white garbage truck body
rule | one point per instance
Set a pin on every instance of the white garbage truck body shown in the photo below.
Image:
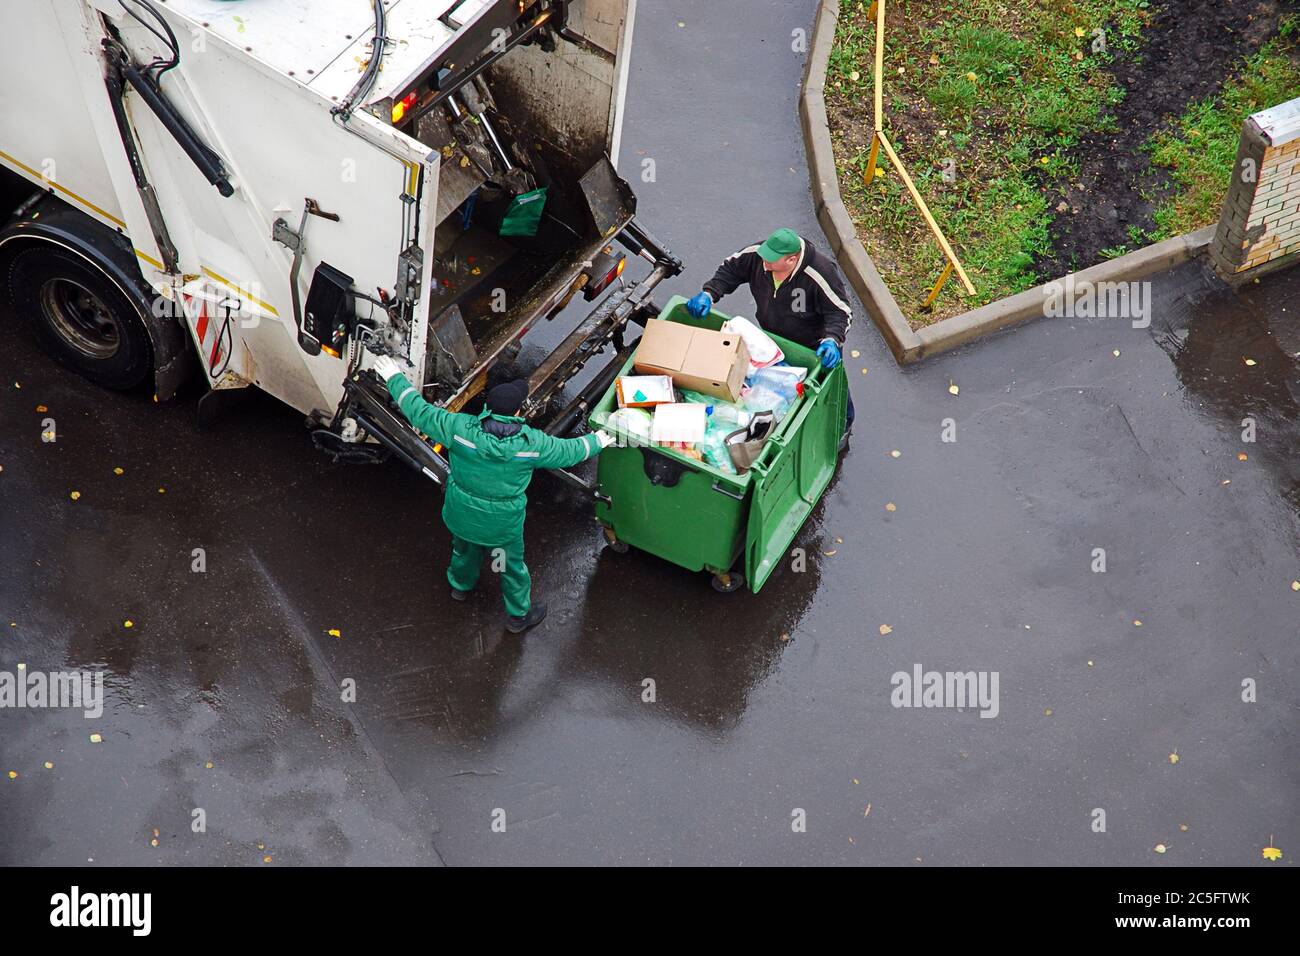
(297, 196)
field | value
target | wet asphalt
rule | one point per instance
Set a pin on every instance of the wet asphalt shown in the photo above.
(225, 694)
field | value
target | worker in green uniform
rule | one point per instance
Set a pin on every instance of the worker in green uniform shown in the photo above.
(492, 457)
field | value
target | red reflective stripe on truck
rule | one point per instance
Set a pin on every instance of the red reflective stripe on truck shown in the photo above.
(202, 328)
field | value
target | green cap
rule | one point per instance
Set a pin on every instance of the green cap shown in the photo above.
(783, 242)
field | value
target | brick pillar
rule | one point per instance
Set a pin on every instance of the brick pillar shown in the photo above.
(1259, 228)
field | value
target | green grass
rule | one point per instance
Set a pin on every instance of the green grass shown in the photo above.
(1003, 90)
(1201, 149)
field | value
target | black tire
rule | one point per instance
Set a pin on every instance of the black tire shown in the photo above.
(728, 583)
(80, 316)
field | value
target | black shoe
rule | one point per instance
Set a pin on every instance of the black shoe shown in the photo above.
(458, 595)
(517, 625)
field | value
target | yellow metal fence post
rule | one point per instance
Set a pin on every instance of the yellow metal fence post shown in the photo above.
(870, 174)
(938, 286)
(879, 139)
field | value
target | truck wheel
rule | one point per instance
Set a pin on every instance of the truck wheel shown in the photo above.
(80, 316)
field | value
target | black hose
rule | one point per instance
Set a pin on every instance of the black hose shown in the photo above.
(367, 80)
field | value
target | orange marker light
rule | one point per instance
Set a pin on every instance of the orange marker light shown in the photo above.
(402, 105)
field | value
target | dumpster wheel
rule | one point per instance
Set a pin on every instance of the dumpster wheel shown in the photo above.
(728, 581)
(615, 545)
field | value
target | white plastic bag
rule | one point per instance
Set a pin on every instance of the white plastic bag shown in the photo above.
(762, 350)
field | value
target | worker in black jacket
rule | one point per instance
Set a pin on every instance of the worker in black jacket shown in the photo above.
(798, 293)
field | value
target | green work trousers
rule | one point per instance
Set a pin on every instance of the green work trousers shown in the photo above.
(507, 558)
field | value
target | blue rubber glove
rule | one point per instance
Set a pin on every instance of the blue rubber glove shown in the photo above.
(700, 305)
(829, 353)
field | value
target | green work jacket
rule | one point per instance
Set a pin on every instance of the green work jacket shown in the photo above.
(486, 497)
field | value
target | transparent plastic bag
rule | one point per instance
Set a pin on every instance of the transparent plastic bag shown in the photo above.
(719, 411)
(714, 450)
(761, 398)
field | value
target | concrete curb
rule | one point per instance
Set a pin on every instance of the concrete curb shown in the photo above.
(907, 345)
(1023, 306)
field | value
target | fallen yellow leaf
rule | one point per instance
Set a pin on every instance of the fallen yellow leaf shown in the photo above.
(972, 77)
(266, 859)
(1249, 361)
(208, 765)
(891, 507)
(895, 454)
(128, 623)
(48, 765)
(162, 491)
(831, 554)
(885, 629)
(1078, 31)
(75, 495)
(1242, 456)
(41, 408)
(335, 632)
(1182, 827)
(953, 389)
(1160, 848)
(1137, 623)
(118, 471)
(1295, 585)
(1047, 712)
(1272, 853)
(96, 739)
(13, 774)
(1115, 352)
(855, 353)
(1174, 758)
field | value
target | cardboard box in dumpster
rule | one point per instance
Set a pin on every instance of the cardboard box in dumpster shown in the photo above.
(712, 363)
(643, 391)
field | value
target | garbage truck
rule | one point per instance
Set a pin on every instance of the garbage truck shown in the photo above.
(272, 193)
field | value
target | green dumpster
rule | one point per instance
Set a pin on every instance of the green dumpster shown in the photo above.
(737, 527)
